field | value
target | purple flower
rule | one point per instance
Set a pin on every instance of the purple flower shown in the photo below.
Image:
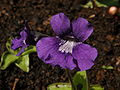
(24, 40)
(66, 49)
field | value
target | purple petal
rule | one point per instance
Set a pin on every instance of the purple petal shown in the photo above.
(47, 50)
(62, 59)
(84, 55)
(60, 24)
(69, 62)
(44, 45)
(82, 29)
(16, 43)
(23, 35)
(22, 50)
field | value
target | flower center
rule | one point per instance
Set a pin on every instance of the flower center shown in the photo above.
(67, 46)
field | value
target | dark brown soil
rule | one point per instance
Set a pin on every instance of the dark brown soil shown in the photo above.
(106, 38)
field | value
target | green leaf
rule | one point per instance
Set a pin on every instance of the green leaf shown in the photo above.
(3, 57)
(60, 86)
(107, 67)
(29, 50)
(110, 2)
(8, 46)
(99, 4)
(90, 4)
(80, 78)
(23, 63)
(6, 59)
(96, 87)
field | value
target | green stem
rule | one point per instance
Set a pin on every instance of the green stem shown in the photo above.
(87, 82)
(71, 80)
(43, 35)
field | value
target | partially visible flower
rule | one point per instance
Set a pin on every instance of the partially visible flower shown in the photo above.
(67, 49)
(24, 40)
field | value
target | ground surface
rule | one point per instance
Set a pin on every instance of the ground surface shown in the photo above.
(106, 38)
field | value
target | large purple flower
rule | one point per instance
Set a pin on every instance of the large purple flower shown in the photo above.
(24, 40)
(67, 49)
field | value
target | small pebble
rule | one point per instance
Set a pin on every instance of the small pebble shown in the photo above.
(113, 10)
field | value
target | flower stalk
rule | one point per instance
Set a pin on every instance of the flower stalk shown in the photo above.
(71, 80)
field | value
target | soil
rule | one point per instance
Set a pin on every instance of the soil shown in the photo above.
(106, 38)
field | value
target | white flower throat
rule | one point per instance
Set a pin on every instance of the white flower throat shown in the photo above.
(67, 46)
(24, 42)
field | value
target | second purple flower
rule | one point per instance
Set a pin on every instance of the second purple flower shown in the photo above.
(25, 39)
(67, 48)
